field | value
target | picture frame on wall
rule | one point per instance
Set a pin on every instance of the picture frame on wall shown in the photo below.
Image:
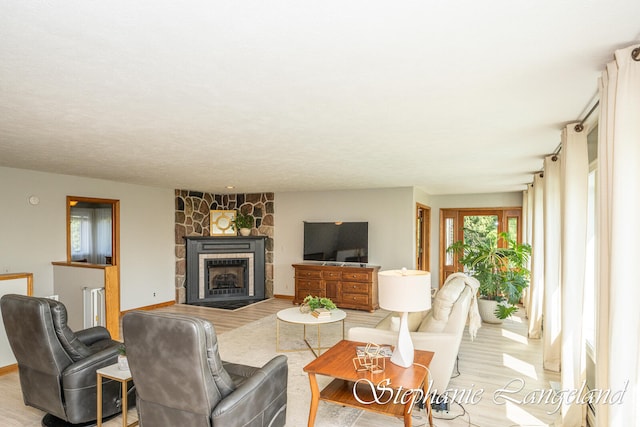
(221, 223)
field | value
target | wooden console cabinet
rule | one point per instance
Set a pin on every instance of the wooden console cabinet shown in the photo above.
(348, 286)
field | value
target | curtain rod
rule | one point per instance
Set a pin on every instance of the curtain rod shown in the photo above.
(579, 127)
(635, 55)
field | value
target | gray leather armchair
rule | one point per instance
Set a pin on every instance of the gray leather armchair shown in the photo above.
(57, 367)
(181, 381)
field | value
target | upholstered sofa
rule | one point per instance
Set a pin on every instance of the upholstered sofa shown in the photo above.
(439, 329)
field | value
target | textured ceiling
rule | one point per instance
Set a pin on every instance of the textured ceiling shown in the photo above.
(449, 96)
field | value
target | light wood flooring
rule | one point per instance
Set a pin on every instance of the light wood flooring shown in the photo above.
(500, 354)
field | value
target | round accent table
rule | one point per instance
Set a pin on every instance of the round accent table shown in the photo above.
(293, 315)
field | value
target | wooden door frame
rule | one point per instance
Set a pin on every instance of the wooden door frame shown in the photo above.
(423, 246)
(112, 272)
(503, 213)
(115, 225)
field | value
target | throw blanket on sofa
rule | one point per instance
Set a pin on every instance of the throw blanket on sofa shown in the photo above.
(474, 315)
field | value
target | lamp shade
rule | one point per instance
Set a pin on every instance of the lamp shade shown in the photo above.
(404, 290)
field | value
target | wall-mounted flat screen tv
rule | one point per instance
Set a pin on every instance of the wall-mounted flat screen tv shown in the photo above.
(336, 241)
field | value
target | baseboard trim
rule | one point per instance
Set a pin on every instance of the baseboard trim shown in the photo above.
(150, 307)
(289, 297)
(8, 369)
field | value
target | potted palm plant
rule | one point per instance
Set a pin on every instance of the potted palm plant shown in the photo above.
(243, 223)
(500, 265)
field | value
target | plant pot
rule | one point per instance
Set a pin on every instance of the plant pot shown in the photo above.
(487, 309)
(245, 231)
(123, 363)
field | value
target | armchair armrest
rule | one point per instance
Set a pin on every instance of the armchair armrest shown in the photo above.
(83, 372)
(91, 335)
(264, 394)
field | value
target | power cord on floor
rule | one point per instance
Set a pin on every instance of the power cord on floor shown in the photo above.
(464, 412)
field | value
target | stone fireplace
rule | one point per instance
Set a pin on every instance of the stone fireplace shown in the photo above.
(192, 218)
(224, 269)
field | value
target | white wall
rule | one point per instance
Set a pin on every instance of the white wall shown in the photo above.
(31, 237)
(390, 213)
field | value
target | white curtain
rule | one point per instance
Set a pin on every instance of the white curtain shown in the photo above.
(91, 234)
(81, 246)
(527, 220)
(574, 188)
(536, 286)
(101, 235)
(551, 343)
(617, 336)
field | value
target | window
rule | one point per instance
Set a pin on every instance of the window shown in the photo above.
(91, 233)
(589, 310)
(477, 223)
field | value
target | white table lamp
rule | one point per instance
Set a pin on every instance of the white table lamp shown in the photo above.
(404, 291)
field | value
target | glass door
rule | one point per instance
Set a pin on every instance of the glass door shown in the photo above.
(474, 225)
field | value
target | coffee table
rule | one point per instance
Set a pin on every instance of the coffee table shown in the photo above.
(294, 315)
(337, 362)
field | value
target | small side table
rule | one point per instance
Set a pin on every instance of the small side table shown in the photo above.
(293, 315)
(123, 377)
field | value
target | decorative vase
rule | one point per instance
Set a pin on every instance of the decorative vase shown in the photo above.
(123, 363)
(487, 310)
(245, 231)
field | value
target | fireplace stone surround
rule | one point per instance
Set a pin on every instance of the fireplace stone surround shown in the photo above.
(224, 268)
(192, 219)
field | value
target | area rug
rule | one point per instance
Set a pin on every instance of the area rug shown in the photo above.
(255, 344)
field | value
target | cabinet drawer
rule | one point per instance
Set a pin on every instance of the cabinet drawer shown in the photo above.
(355, 287)
(364, 277)
(309, 284)
(360, 299)
(332, 275)
(309, 274)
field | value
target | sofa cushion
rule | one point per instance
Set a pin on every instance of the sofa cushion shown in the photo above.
(441, 307)
(429, 324)
(392, 321)
(445, 298)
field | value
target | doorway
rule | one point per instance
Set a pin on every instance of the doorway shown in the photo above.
(423, 237)
(473, 224)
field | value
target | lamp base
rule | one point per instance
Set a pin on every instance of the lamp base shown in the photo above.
(403, 353)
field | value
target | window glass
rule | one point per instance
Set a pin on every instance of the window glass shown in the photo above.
(589, 313)
(480, 228)
(448, 236)
(512, 228)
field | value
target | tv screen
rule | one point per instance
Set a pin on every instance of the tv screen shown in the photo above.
(336, 241)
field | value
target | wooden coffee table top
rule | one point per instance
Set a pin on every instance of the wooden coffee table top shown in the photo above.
(337, 362)
(356, 389)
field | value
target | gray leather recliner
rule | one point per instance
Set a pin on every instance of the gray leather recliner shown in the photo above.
(181, 381)
(57, 367)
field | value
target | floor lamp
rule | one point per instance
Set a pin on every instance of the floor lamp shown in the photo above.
(404, 291)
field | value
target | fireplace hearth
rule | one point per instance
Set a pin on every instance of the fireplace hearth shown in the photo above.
(224, 269)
